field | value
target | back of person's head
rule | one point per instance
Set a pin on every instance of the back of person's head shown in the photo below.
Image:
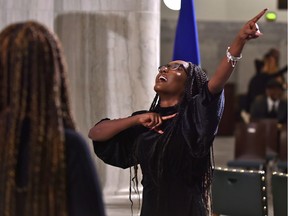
(34, 111)
(258, 65)
(275, 53)
(271, 61)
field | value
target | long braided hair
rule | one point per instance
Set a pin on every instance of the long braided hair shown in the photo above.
(34, 108)
(196, 78)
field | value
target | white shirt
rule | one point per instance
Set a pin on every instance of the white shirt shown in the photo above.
(270, 103)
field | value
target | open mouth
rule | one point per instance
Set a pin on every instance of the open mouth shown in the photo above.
(162, 78)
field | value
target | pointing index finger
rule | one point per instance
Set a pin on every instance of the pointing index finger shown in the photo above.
(258, 16)
(169, 116)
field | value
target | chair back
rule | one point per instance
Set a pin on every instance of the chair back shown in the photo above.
(283, 143)
(239, 192)
(279, 193)
(250, 141)
(282, 155)
(271, 137)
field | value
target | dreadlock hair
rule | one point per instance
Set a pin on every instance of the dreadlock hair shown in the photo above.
(196, 78)
(33, 95)
(194, 83)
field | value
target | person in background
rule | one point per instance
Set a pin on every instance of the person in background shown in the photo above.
(272, 105)
(172, 141)
(46, 168)
(268, 70)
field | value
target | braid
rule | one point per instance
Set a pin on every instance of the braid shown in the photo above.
(62, 67)
(196, 79)
(34, 91)
(154, 102)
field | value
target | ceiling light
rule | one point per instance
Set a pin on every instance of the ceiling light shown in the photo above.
(173, 4)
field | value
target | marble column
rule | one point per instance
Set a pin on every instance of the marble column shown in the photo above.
(112, 50)
(20, 10)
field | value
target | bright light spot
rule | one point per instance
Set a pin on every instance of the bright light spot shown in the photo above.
(271, 16)
(251, 130)
(173, 4)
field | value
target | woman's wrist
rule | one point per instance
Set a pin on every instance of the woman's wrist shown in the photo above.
(232, 59)
(135, 120)
(236, 47)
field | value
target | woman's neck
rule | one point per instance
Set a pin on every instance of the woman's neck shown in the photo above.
(169, 102)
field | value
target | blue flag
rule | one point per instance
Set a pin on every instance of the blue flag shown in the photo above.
(186, 45)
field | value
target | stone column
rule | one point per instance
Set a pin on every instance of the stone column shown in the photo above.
(20, 10)
(112, 49)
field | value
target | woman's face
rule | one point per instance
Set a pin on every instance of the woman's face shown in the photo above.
(171, 78)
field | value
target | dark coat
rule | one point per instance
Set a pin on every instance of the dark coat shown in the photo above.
(259, 110)
(186, 162)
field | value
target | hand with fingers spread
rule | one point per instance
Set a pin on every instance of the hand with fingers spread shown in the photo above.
(251, 29)
(154, 120)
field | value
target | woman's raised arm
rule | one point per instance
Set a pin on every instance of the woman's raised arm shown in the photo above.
(233, 54)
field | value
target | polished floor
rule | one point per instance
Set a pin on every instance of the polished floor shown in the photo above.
(223, 152)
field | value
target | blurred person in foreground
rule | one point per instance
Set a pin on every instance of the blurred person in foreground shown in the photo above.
(46, 167)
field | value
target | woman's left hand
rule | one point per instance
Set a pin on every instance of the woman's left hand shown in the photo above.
(251, 29)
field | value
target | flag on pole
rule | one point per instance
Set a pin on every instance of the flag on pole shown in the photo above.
(186, 45)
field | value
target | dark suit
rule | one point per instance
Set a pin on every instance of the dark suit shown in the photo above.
(259, 110)
(258, 83)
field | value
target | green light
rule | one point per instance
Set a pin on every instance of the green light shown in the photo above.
(271, 16)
